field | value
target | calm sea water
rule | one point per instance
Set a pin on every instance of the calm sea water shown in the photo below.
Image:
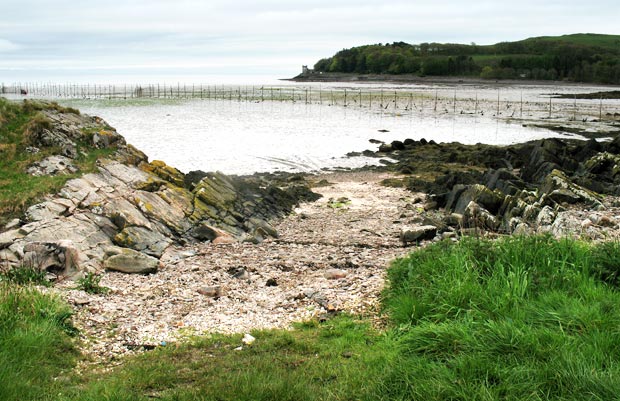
(246, 137)
(242, 137)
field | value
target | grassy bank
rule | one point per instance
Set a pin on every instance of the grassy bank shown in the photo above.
(18, 189)
(36, 346)
(520, 318)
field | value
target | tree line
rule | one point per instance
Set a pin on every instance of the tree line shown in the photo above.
(578, 58)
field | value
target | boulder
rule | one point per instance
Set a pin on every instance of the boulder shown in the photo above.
(52, 165)
(559, 189)
(144, 240)
(59, 257)
(129, 261)
(398, 145)
(417, 234)
(156, 208)
(124, 213)
(481, 195)
(106, 138)
(386, 148)
(475, 216)
(546, 217)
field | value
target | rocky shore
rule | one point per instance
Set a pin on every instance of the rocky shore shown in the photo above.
(535, 187)
(124, 216)
(187, 254)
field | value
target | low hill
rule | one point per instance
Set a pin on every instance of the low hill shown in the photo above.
(578, 57)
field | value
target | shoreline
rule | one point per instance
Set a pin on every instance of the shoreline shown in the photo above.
(438, 80)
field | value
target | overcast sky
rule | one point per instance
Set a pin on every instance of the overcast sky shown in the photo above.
(119, 40)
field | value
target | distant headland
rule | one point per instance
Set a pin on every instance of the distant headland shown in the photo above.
(583, 57)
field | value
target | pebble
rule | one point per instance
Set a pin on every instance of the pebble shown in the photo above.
(149, 309)
(211, 291)
(335, 274)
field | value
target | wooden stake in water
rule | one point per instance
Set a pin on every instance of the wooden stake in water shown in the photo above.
(395, 101)
(521, 111)
(549, 106)
(497, 114)
(600, 108)
(435, 100)
(345, 97)
(360, 98)
(575, 108)
(454, 102)
(476, 105)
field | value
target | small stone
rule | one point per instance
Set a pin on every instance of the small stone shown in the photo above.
(605, 221)
(271, 283)
(335, 274)
(248, 339)
(214, 291)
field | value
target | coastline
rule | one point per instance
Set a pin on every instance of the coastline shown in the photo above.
(431, 80)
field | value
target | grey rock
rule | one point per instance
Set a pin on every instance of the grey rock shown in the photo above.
(130, 175)
(130, 261)
(416, 234)
(12, 224)
(334, 274)
(214, 291)
(46, 211)
(156, 208)
(8, 257)
(545, 217)
(143, 240)
(53, 165)
(476, 216)
(124, 213)
(558, 188)
(8, 237)
(60, 257)
(483, 196)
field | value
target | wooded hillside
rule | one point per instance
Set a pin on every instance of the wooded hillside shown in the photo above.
(577, 57)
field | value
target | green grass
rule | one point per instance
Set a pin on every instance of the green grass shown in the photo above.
(24, 275)
(313, 362)
(36, 350)
(521, 318)
(529, 318)
(90, 283)
(18, 190)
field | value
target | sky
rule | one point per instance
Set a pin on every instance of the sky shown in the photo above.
(118, 41)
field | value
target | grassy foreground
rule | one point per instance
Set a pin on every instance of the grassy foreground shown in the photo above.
(522, 318)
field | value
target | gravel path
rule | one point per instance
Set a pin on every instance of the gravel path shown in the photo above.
(331, 256)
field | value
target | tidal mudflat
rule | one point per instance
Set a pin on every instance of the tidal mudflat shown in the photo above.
(237, 136)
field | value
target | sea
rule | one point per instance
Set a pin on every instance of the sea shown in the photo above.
(238, 135)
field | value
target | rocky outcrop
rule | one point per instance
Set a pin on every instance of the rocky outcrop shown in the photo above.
(125, 215)
(526, 188)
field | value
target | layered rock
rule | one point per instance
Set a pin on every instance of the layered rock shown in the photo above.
(125, 215)
(526, 188)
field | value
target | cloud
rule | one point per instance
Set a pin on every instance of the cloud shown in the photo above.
(217, 34)
(7, 45)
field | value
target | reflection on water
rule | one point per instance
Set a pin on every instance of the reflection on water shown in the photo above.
(245, 137)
